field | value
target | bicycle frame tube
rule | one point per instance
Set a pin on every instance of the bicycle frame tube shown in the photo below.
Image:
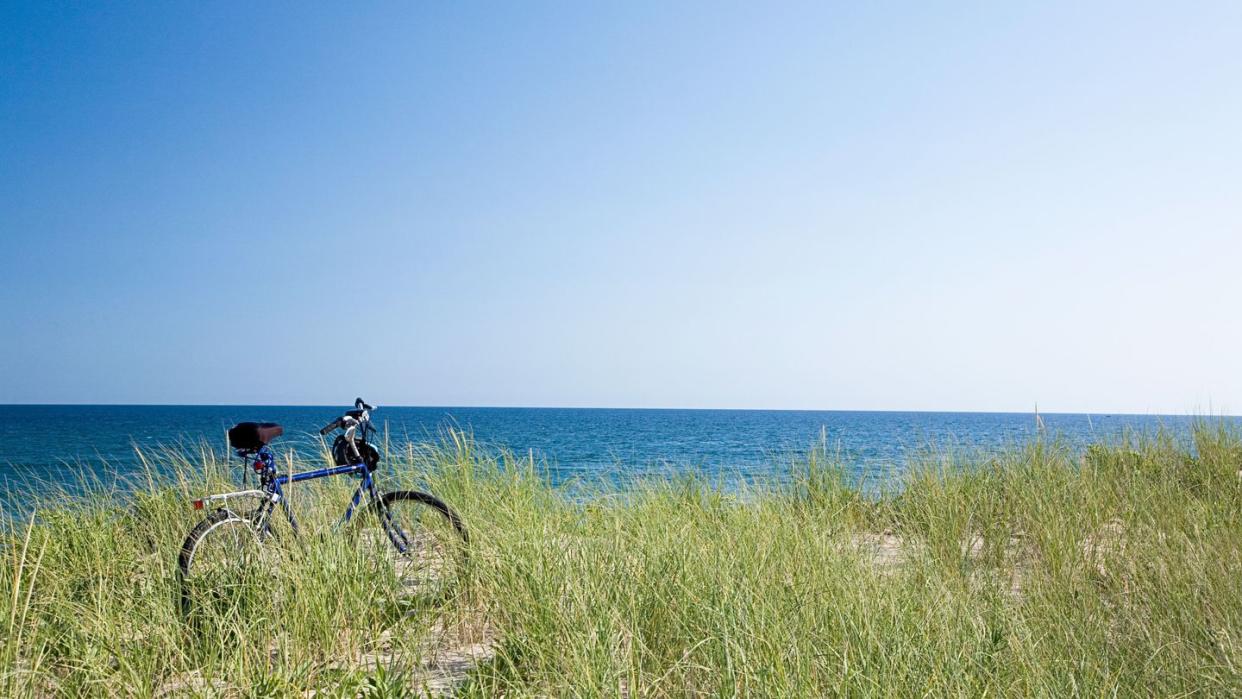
(321, 473)
(273, 490)
(367, 484)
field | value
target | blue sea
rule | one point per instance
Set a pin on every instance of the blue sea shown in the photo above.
(598, 447)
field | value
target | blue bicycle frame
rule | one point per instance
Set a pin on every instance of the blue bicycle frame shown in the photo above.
(272, 492)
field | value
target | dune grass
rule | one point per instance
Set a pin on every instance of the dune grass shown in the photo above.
(1043, 572)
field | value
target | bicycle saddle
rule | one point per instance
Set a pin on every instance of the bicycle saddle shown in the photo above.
(253, 435)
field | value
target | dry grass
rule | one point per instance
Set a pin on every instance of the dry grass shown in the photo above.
(1042, 572)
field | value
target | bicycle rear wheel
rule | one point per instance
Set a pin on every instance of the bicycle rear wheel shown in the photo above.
(220, 554)
(421, 542)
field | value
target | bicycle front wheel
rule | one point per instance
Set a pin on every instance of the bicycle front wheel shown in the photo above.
(421, 542)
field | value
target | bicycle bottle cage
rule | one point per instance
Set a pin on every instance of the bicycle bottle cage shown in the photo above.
(253, 435)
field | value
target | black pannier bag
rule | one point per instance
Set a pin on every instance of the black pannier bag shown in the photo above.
(342, 456)
(253, 435)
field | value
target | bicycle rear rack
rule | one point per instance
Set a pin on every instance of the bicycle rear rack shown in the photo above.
(262, 495)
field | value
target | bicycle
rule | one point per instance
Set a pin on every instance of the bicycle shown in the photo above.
(424, 537)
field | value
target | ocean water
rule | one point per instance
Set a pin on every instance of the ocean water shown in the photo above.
(598, 447)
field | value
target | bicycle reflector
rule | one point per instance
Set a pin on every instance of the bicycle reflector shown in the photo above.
(198, 504)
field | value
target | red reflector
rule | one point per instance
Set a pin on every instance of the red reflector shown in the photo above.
(198, 504)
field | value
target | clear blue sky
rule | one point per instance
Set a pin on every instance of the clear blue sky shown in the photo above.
(970, 206)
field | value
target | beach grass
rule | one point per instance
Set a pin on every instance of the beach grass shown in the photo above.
(1044, 571)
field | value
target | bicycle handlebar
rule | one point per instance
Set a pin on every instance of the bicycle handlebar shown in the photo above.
(360, 408)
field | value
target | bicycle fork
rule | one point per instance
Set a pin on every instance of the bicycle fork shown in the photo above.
(391, 529)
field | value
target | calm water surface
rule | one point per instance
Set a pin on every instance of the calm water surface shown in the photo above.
(597, 446)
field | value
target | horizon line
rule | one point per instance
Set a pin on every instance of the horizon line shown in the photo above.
(1033, 411)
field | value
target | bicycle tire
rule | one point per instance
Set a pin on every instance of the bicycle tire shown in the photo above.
(214, 522)
(434, 537)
